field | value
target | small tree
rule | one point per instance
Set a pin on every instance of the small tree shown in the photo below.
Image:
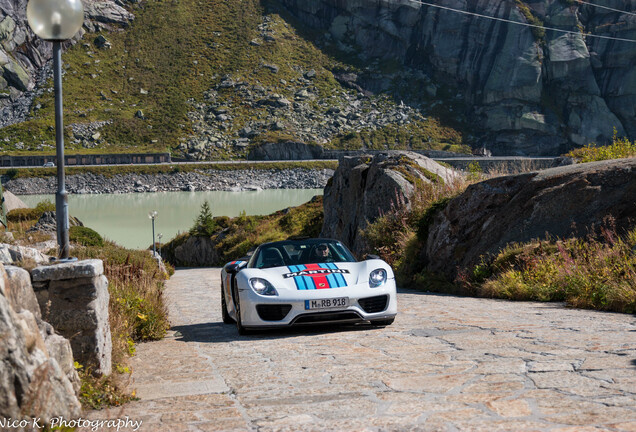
(204, 224)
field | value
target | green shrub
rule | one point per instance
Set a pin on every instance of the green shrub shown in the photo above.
(234, 237)
(30, 214)
(99, 392)
(85, 236)
(23, 215)
(620, 148)
(594, 273)
(45, 206)
(204, 225)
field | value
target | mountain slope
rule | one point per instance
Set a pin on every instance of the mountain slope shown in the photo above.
(209, 79)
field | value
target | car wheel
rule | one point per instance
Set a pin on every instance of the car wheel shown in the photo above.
(237, 307)
(227, 319)
(383, 322)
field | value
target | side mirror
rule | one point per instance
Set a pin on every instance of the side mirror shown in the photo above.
(234, 266)
(371, 256)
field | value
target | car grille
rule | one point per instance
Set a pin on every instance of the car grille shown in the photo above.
(273, 312)
(374, 304)
(324, 317)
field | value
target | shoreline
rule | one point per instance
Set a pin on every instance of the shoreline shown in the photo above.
(204, 180)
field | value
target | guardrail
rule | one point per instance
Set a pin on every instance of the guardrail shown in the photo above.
(86, 159)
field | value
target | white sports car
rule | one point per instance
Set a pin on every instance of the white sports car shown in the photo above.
(310, 281)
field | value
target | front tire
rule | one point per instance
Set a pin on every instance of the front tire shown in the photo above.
(227, 319)
(237, 307)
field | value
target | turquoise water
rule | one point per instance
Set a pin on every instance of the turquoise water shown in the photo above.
(123, 218)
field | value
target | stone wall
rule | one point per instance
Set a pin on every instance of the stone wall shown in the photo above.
(74, 298)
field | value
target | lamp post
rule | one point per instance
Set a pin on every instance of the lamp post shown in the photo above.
(56, 21)
(159, 236)
(152, 215)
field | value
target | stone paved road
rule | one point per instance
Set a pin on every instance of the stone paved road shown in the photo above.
(446, 364)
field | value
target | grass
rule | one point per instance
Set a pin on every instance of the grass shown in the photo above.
(136, 309)
(618, 149)
(418, 135)
(236, 236)
(592, 273)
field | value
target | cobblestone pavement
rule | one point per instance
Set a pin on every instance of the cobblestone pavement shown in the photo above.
(446, 364)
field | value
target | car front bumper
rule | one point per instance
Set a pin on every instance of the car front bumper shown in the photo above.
(289, 307)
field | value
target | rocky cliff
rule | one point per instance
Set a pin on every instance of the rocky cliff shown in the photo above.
(559, 202)
(23, 56)
(524, 90)
(365, 187)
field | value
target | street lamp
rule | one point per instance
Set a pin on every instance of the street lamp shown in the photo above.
(159, 236)
(152, 215)
(56, 21)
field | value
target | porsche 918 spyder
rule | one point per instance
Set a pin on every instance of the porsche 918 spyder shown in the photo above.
(309, 281)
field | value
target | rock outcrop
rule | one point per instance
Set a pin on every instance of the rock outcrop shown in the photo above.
(48, 223)
(23, 56)
(559, 202)
(365, 187)
(289, 150)
(194, 252)
(34, 362)
(11, 254)
(12, 202)
(527, 91)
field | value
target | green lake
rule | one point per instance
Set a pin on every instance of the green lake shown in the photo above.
(123, 218)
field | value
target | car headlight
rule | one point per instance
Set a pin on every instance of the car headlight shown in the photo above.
(377, 277)
(262, 287)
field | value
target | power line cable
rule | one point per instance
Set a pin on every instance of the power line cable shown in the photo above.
(606, 7)
(521, 23)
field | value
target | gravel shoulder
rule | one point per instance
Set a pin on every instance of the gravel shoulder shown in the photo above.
(446, 364)
(205, 180)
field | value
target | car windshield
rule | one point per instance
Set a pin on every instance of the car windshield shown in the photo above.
(298, 252)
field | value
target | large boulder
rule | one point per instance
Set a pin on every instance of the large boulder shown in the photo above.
(365, 187)
(559, 202)
(288, 150)
(19, 291)
(196, 251)
(12, 202)
(48, 223)
(33, 385)
(11, 254)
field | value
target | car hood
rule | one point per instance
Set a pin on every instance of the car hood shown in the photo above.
(319, 275)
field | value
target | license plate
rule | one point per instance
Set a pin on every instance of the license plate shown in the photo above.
(334, 303)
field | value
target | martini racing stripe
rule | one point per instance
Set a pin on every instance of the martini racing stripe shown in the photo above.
(319, 279)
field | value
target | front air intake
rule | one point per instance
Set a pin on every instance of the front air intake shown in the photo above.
(273, 312)
(327, 317)
(374, 304)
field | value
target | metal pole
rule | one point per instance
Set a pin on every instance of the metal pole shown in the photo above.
(61, 197)
(154, 251)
